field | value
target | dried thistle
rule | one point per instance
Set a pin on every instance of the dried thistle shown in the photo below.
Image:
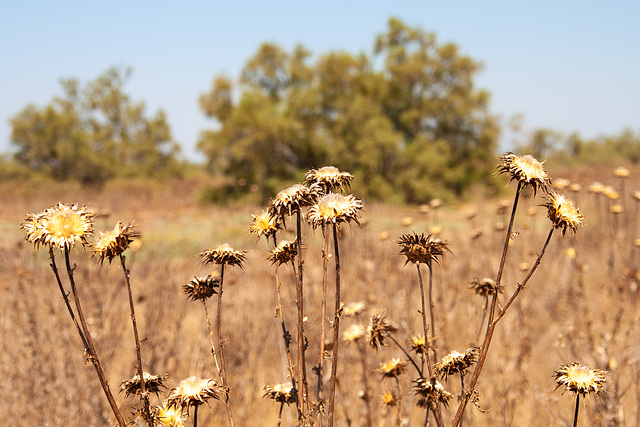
(580, 379)
(286, 251)
(621, 172)
(282, 392)
(265, 225)
(59, 227)
(353, 333)
(140, 419)
(562, 213)
(290, 199)
(393, 368)
(201, 288)
(526, 170)
(334, 208)
(329, 178)
(390, 399)
(353, 309)
(223, 254)
(420, 248)
(418, 344)
(170, 417)
(431, 391)
(114, 243)
(378, 330)
(455, 362)
(485, 287)
(152, 384)
(194, 391)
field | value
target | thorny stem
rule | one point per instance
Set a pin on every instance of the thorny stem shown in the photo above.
(490, 324)
(336, 329)
(399, 413)
(302, 374)
(92, 350)
(323, 316)
(195, 416)
(280, 414)
(223, 372)
(575, 416)
(143, 389)
(213, 348)
(286, 336)
(406, 354)
(431, 307)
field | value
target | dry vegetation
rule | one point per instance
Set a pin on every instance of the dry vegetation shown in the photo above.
(579, 306)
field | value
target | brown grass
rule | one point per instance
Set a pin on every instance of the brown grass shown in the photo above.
(579, 309)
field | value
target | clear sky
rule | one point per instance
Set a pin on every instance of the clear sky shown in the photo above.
(567, 65)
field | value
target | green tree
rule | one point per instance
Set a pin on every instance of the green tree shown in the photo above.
(412, 128)
(94, 133)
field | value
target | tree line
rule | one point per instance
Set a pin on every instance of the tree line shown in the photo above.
(407, 120)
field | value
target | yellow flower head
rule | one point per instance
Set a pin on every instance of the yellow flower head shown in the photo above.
(562, 213)
(334, 208)
(194, 391)
(329, 178)
(393, 368)
(285, 252)
(171, 417)
(418, 344)
(526, 170)
(282, 392)
(580, 379)
(264, 224)
(621, 172)
(223, 254)
(59, 227)
(114, 243)
(390, 399)
(419, 248)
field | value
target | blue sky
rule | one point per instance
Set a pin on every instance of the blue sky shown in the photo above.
(566, 65)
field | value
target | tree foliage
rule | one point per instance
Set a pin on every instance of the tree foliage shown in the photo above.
(93, 133)
(407, 119)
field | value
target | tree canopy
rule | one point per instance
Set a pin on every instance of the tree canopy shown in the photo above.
(407, 120)
(93, 133)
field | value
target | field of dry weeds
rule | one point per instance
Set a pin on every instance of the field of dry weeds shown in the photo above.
(580, 306)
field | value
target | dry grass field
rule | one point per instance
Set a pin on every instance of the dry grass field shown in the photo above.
(581, 305)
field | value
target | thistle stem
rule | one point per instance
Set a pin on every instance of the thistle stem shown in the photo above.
(575, 416)
(223, 372)
(302, 375)
(213, 348)
(285, 336)
(323, 316)
(336, 329)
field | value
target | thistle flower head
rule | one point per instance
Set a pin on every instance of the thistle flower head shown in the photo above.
(580, 379)
(334, 208)
(290, 199)
(390, 399)
(526, 170)
(596, 187)
(353, 333)
(485, 287)
(329, 178)
(170, 417)
(223, 254)
(285, 252)
(140, 419)
(431, 391)
(420, 248)
(393, 368)
(59, 227)
(621, 172)
(201, 288)
(418, 344)
(152, 384)
(265, 225)
(114, 243)
(353, 309)
(378, 330)
(282, 392)
(194, 391)
(562, 213)
(456, 362)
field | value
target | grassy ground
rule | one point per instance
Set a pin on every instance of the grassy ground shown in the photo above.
(576, 308)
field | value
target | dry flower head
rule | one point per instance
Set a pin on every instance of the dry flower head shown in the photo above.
(223, 254)
(418, 344)
(265, 225)
(485, 287)
(353, 333)
(432, 391)
(390, 399)
(290, 199)
(580, 379)
(329, 178)
(393, 368)
(526, 170)
(456, 362)
(113, 243)
(59, 227)
(281, 392)
(194, 391)
(420, 248)
(621, 172)
(562, 213)
(334, 208)
(201, 288)
(353, 308)
(171, 417)
(286, 251)
(152, 384)
(378, 330)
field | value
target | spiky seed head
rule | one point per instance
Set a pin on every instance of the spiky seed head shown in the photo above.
(329, 178)
(223, 254)
(353, 333)
(485, 287)
(353, 308)
(562, 213)
(170, 417)
(420, 248)
(140, 419)
(152, 384)
(431, 391)
(334, 208)
(526, 170)
(285, 252)
(418, 344)
(194, 391)
(265, 225)
(378, 330)
(455, 362)
(580, 379)
(393, 368)
(201, 288)
(290, 199)
(390, 399)
(114, 243)
(621, 172)
(281, 392)
(59, 227)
